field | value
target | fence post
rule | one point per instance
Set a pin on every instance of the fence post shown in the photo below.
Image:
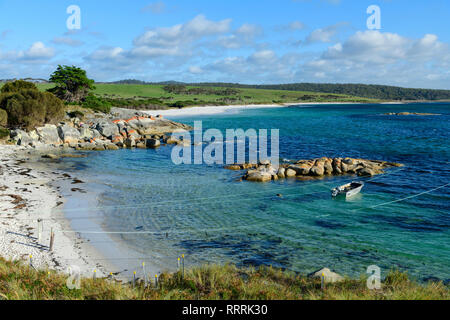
(156, 281)
(145, 275)
(95, 274)
(40, 228)
(52, 239)
(134, 279)
(182, 256)
(322, 285)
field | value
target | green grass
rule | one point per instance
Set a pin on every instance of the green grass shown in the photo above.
(20, 282)
(156, 96)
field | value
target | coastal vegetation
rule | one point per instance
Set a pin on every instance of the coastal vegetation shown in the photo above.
(71, 83)
(211, 282)
(24, 106)
(159, 97)
(358, 90)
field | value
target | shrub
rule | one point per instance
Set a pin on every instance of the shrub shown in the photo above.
(24, 108)
(54, 108)
(4, 133)
(177, 104)
(76, 114)
(3, 118)
(96, 104)
(17, 86)
(27, 107)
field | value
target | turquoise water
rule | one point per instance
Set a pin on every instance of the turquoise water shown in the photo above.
(205, 213)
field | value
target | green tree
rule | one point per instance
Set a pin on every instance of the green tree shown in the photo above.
(71, 83)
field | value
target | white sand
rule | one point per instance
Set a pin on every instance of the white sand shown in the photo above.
(209, 110)
(18, 227)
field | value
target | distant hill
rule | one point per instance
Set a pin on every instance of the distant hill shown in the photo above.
(360, 90)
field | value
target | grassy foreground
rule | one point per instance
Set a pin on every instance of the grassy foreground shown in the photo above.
(20, 282)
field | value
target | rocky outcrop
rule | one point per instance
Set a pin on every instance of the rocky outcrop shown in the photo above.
(314, 168)
(104, 132)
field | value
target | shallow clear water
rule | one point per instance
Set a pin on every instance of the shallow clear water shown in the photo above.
(205, 213)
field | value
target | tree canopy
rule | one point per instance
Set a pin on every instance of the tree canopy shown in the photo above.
(71, 83)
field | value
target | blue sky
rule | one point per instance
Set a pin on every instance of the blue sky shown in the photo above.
(245, 41)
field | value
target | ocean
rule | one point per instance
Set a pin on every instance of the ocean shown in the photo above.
(139, 206)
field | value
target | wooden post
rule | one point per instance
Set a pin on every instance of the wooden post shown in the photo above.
(322, 285)
(156, 281)
(40, 228)
(134, 279)
(182, 256)
(52, 239)
(145, 275)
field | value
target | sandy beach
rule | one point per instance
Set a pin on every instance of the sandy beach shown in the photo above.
(25, 197)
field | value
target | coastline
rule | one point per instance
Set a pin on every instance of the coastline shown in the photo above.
(45, 202)
(34, 198)
(211, 110)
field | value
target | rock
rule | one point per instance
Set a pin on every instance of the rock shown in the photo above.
(290, 173)
(337, 166)
(318, 169)
(50, 156)
(85, 146)
(301, 169)
(99, 147)
(49, 134)
(86, 133)
(152, 143)
(264, 162)
(367, 172)
(107, 128)
(111, 146)
(68, 134)
(21, 137)
(129, 143)
(234, 167)
(328, 166)
(141, 145)
(328, 275)
(171, 140)
(259, 176)
(281, 173)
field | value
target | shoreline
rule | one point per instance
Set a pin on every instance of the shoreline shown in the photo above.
(212, 110)
(39, 199)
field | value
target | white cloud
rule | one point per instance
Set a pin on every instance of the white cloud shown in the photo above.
(67, 41)
(195, 70)
(37, 51)
(155, 7)
(326, 34)
(178, 39)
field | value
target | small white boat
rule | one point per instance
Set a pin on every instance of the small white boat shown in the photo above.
(347, 190)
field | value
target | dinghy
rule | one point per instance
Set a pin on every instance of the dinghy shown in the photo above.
(347, 190)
